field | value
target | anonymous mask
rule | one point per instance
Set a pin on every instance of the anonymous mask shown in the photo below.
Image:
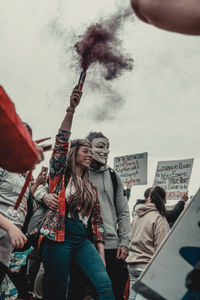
(100, 149)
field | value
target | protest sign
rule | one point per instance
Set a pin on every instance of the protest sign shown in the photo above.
(174, 177)
(132, 168)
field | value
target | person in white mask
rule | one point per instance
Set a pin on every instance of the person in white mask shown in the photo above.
(114, 211)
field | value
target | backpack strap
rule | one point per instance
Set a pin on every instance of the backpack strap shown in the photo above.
(20, 197)
(29, 211)
(114, 182)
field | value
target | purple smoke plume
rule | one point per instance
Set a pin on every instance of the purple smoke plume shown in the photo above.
(101, 44)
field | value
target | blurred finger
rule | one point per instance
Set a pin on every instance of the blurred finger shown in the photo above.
(21, 242)
(121, 256)
(13, 243)
(17, 244)
(118, 252)
(24, 239)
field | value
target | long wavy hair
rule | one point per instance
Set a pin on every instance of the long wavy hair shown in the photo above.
(158, 196)
(84, 197)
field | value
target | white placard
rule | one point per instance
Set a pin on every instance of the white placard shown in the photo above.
(174, 177)
(132, 168)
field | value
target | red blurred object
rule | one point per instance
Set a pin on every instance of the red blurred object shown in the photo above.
(17, 150)
(19, 199)
(126, 291)
(47, 147)
(42, 140)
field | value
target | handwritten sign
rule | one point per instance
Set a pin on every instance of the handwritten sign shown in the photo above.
(174, 177)
(132, 168)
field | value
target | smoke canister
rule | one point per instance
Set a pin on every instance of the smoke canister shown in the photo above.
(81, 80)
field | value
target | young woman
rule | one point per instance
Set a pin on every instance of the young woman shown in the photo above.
(148, 229)
(64, 228)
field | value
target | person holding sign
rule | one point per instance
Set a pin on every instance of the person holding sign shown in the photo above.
(148, 230)
(171, 215)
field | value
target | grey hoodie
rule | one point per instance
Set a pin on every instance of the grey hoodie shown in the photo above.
(148, 230)
(115, 214)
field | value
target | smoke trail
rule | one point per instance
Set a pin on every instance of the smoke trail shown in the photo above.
(101, 44)
(110, 100)
(101, 47)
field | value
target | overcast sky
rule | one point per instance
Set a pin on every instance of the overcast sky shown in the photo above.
(159, 105)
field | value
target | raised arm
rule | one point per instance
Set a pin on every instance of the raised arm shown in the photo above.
(74, 101)
(172, 215)
(58, 159)
(181, 16)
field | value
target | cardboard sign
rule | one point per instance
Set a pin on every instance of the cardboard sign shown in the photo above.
(132, 168)
(164, 277)
(174, 177)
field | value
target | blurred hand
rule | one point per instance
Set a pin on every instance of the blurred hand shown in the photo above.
(18, 239)
(42, 177)
(75, 97)
(185, 197)
(51, 200)
(122, 252)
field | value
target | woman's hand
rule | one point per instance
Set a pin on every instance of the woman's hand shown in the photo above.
(100, 248)
(51, 200)
(74, 101)
(42, 177)
(75, 97)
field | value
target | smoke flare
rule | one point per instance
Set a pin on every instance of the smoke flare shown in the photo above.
(101, 44)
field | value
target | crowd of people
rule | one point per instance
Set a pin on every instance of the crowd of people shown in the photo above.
(85, 246)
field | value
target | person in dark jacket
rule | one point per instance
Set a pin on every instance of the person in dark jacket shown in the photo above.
(171, 215)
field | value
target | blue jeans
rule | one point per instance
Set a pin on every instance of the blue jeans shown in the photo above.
(134, 274)
(57, 258)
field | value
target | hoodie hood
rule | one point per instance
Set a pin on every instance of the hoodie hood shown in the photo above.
(140, 201)
(143, 209)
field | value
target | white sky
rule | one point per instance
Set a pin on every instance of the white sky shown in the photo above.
(160, 111)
